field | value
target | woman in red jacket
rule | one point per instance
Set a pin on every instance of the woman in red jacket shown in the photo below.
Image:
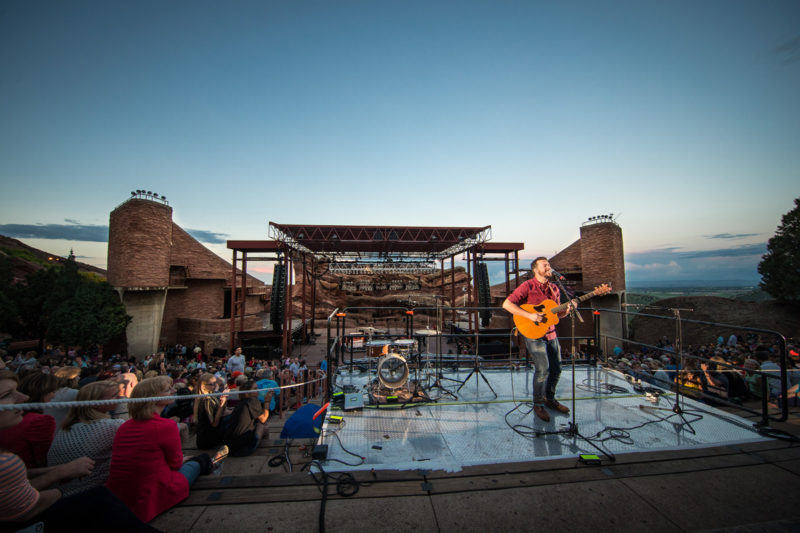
(148, 471)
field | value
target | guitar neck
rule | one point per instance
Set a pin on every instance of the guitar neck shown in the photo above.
(563, 307)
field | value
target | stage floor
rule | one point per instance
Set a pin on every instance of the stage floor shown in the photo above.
(472, 427)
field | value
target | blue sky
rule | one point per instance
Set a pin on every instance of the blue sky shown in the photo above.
(681, 118)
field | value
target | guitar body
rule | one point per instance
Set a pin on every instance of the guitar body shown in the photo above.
(531, 329)
(549, 309)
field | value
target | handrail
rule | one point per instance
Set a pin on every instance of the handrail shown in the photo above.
(765, 417)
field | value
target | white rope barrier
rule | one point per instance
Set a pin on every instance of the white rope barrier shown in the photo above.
(97, 403)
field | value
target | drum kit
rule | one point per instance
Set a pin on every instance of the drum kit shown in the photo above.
(393, 357)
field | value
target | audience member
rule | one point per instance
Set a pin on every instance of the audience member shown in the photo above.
(209, 413)
(126, 382)
(236, 362)
(148, 471)
(265, 383)
(248, 422)
(30, 439)
(87, 431)
(68, 389)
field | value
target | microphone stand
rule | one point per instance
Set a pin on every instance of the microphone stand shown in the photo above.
(438, 374)
(677, 408)
(572, 429)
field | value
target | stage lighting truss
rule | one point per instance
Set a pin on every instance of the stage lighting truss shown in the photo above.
(338, 243)
(394, 267)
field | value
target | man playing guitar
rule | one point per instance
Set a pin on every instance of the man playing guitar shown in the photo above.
(545, 352)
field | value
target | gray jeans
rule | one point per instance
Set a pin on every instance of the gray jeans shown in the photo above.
(546, 357)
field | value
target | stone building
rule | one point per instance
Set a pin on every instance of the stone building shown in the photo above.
(595, 258)
(176, 289)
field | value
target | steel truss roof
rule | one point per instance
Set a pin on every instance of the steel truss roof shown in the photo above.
(368, 243)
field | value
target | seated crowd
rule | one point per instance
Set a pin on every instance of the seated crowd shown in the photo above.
(729, 370)
(56, 462)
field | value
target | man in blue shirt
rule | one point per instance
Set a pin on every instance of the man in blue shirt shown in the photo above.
(266, 384)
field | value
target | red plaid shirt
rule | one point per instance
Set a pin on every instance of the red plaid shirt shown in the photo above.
(534, 292)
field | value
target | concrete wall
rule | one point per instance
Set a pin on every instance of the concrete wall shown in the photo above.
(147, 308)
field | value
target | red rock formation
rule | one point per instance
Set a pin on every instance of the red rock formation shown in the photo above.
(365, 291)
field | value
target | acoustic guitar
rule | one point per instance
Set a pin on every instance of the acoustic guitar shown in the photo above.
(550, 310)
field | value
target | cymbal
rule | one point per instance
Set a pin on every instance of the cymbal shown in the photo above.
(426, 332)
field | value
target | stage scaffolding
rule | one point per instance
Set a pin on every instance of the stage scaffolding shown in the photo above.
(366, 250)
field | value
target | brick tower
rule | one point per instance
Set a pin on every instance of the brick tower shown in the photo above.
(595, 258)
(602, 258)
(139, 243)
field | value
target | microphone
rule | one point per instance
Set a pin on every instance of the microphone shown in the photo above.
(556, 275)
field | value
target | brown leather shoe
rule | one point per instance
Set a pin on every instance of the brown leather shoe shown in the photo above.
(553, 404)
(541, 413)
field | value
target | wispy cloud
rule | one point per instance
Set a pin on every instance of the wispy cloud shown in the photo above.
(790, 50)
(736, 262)
(74, 231)
(70, 232)
(730, 235)
(738, 251)
(211, 237)
(671, 268)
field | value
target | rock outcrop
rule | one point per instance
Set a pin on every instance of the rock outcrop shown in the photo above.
(370, 297)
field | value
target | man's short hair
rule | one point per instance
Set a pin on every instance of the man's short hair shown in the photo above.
(540, 258)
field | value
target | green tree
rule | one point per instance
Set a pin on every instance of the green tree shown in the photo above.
(33, 301)
(780, 266)
(8, 309)
(65, 306)
(93, 315)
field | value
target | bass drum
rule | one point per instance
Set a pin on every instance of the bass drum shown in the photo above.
(392, 371)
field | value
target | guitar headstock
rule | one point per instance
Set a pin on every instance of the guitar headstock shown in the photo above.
(600, 290)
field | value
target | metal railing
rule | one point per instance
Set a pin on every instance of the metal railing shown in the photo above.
(681, 354)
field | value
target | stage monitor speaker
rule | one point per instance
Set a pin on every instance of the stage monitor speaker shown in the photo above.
(484, 293)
